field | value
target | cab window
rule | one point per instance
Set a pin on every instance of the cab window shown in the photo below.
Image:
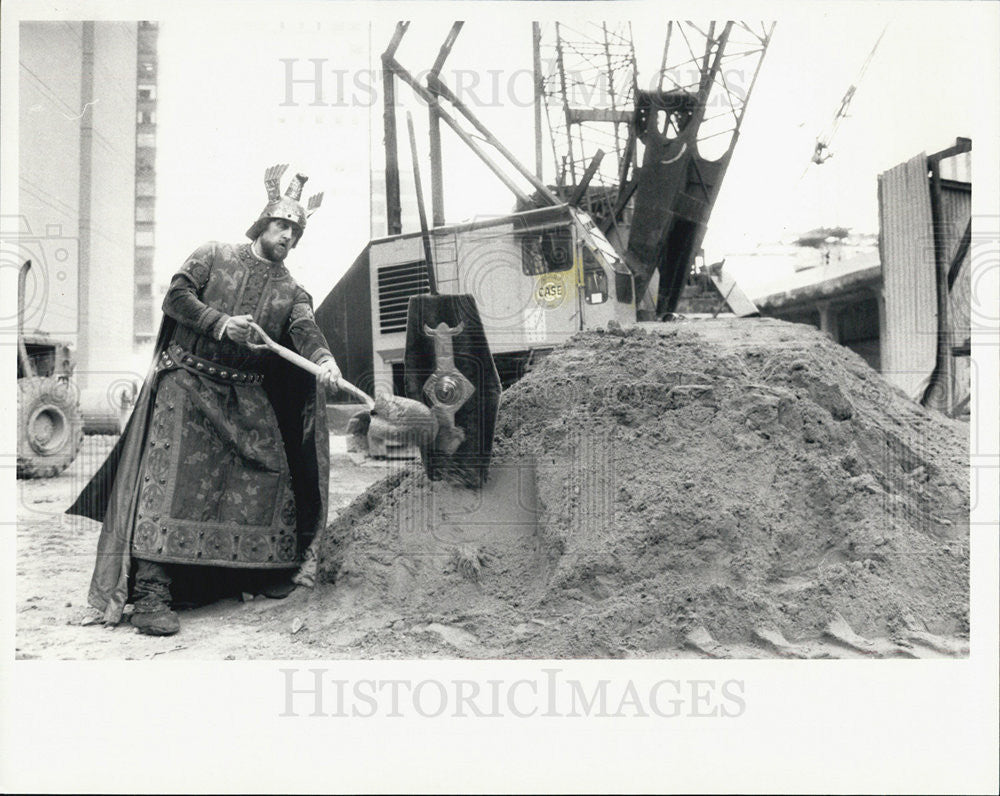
(595, 279)
(545, 252)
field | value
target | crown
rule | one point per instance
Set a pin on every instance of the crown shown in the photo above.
(314, 202)
(272, 181)
(294, 190)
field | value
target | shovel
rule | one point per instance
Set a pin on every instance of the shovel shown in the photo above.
(305, 364)
(393, 418)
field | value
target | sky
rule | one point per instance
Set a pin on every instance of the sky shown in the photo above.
(227, 111)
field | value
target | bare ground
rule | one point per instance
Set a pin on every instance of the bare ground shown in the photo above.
(572, 591)
(55, 558)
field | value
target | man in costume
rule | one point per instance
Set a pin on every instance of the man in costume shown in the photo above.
(220, 478)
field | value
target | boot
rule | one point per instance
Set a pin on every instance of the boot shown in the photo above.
(152, 615)
(163, 622)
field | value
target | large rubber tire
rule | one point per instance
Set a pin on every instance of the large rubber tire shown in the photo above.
(49, 427)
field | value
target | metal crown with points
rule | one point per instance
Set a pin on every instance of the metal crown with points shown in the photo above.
(285, 207)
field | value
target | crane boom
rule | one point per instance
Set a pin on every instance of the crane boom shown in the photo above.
(822, 151)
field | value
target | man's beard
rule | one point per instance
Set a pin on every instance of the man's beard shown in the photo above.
(276, 252)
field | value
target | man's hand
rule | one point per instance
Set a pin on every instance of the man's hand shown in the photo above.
(238, 328)
(331, 373)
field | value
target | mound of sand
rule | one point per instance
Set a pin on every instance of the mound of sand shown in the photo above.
(729, 474)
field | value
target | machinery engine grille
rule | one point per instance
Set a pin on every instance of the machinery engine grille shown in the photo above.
(396, 283)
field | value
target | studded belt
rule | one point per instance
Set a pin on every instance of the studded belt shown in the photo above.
(175, 356)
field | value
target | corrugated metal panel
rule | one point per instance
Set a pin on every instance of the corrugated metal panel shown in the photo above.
(960, 315)
(960, 303)
(906, 245)
(956, 210)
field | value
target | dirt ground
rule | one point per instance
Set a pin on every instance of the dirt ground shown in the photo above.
(742, 492)
(55, 558)
(732, 488)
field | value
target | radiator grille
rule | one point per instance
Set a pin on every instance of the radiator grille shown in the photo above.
(396, 283)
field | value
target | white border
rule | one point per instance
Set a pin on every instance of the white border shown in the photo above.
(893, 726)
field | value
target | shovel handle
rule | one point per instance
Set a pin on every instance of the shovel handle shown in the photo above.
(305, 364)
(345, 385)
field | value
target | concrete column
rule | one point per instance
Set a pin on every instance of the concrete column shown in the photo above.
(827, 319)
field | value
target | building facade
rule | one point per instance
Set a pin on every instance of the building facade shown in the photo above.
(86, 150)
(144, 318)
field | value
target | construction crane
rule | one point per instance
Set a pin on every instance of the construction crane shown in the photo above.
(822, 151)
(588, 96)
(672, 143)
(612, 239)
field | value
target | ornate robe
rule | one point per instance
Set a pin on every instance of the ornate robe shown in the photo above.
(225, 459)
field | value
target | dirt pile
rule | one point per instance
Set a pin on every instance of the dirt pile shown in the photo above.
(731, 475)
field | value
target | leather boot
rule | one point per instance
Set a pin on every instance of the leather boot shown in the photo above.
(157, 623)
(152, 614)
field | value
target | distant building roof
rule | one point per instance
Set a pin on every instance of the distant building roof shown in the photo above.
(829, 282)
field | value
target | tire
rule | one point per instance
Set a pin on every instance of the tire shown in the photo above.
(49, 427)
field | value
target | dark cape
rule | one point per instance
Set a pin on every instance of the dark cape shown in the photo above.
(110, 497)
